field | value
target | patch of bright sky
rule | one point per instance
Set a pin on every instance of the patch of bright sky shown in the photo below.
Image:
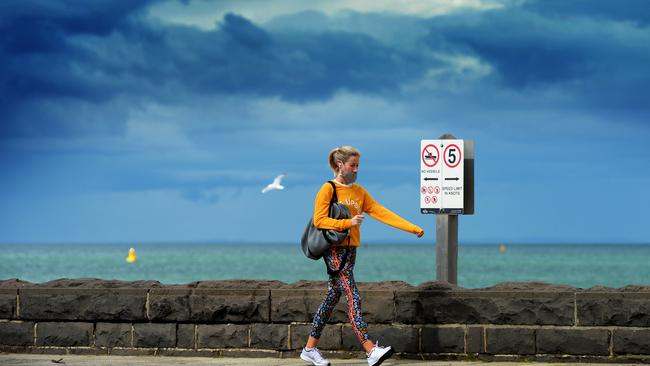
(205, 14)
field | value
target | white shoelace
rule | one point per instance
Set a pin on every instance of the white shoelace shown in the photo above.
(317, 352)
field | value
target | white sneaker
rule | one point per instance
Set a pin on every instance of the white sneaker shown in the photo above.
(379, 355)
(314, 356)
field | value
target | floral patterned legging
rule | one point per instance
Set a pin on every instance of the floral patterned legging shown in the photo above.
(343, 282)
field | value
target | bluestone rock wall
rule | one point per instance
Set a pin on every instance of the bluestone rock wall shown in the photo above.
(509, 321)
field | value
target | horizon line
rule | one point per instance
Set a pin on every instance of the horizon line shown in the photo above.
(297, 244)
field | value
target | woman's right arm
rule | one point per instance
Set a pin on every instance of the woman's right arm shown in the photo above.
(321, 211)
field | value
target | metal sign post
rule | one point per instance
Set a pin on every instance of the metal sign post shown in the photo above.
(447, 190)
(447, 248)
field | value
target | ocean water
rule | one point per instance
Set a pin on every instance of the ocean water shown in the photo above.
(478, 265)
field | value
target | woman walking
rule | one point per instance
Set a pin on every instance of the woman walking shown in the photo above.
(340, 259)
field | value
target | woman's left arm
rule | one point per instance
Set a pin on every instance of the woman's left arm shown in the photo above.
(387, 216)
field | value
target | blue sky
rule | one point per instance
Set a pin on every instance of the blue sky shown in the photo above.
(160, 121)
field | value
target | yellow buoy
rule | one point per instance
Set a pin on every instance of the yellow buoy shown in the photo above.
(131, 257)
(502, 248)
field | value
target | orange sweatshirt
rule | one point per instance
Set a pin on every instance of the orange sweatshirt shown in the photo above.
(358, 200)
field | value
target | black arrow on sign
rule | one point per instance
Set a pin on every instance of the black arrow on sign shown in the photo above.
(452, 178)
(430, 178)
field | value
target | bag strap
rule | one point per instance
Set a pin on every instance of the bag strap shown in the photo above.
(334, 198)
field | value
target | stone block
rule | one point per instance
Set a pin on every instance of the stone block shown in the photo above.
(443, 339)
(222, 336)
(154, 335)
(113, 335)
(349, 339)
(185, 336)
(64, 334)
(378, 306)
(169, 304)
(17, 333)
(91, 304)
(631, 341)
(330, 338)
(630, 309)
(8, 298)
(295, 305)
(221, 306)
(484, 307)
(573, 341)
(270, 336)
(403, 338)
(475, 342)
(510, 341)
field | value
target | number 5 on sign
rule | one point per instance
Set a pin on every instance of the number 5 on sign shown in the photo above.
(452, 176)
(453, 154)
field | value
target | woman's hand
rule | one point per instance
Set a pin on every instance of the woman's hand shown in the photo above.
(420, 234)
(357, 220)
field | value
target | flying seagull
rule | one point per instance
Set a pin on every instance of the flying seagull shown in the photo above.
(277, 184)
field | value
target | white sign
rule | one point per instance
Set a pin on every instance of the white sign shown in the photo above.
(441, 176)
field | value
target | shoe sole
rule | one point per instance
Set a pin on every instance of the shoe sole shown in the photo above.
(312, 362)
(384, 357)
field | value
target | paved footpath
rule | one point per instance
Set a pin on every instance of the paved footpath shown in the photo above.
(77, 360)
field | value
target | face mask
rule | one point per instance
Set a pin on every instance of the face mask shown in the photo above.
(349, 177)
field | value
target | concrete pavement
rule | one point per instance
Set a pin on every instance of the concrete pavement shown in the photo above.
(80, 360)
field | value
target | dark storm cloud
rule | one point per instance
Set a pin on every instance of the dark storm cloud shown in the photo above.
(108, 54)
(79, 67)
(524, 48)
(245, 32)
(242, 58)
(45, 77)
(623, 10)
(41, 26)
(596, 60)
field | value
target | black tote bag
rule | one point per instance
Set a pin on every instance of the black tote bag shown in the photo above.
(315, 242)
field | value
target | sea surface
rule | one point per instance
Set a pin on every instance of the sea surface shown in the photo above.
(483, 265)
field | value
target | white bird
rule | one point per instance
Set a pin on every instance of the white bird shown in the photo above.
(277, 184)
